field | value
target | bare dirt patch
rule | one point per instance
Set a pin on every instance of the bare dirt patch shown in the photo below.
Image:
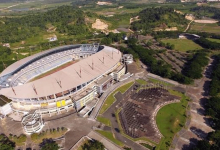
(190, 17)
(103, 3)
(206, 21)
(99, 25)
(134, 19)
(167, 29)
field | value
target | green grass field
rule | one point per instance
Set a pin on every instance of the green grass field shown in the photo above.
(110, 136)
(202, 27)
(183, 44)
(110, 100)
(214, 40)
(105, 121)
(170, 119)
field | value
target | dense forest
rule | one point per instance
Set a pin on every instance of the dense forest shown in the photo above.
(158, 17)
(208, 44)
(195, 66)
(65, 18)
(201, 11)
(215, 83)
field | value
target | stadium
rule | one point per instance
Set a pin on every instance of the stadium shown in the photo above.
(60, 79)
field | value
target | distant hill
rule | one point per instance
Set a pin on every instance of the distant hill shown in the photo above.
(160, 18)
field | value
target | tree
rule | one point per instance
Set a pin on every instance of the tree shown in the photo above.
(49, 144)
(93, 145)
(5, 143)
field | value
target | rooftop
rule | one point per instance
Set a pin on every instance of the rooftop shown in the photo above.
(70, 77)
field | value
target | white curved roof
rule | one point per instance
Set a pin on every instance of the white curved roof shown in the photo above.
(68, 76)
(17, 64)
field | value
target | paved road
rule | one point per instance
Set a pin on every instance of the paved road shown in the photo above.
(199, 124)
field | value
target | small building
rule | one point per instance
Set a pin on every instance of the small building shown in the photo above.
(6, 45)
(189, 36)
(53, 39)
(127, 58)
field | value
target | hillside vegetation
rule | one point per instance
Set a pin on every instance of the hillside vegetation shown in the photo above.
(161, 17)
(66, 19)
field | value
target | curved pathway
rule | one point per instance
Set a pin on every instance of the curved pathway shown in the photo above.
(188, 26)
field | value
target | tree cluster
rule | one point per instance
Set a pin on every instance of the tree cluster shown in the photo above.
(208, 44)
(93, 145)
(111, 37)
(166, 34)
(49, 144)
(204, 10)
(194, 68)
(5, 143)
(158, 67)
(215, 83)
(65, 18)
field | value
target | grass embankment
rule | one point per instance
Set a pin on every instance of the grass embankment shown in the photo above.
(160, 82)
(52, 133)
(105, 121)
(141, 82)
(110, 136)
(170, 119)
(183, 45)
(110, 100)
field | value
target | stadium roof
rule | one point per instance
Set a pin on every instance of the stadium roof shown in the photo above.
(21, 62)
(69, 76)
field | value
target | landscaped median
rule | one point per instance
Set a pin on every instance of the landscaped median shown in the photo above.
(170, 119)
(111, 99)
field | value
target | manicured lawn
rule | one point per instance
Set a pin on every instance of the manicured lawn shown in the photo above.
(170, 119)
(110, 100)
(105, 121)
(110, 136)
(183, 44)
(214, 40)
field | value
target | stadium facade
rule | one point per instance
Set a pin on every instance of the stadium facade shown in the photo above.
(60, 79)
